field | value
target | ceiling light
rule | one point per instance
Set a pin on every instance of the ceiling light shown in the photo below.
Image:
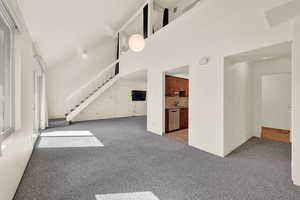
(84, 54)
(136, 42)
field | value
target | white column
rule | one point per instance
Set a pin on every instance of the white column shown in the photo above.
(44, 106)
(296, 106)
(150, 17)
(155, 101)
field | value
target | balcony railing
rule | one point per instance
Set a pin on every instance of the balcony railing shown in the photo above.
(148, 20)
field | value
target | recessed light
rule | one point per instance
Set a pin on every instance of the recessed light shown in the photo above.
(266, 58)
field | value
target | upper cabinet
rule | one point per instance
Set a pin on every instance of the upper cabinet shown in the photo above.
(177, 86)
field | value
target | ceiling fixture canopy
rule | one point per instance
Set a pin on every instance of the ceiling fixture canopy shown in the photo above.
(83, 53)
(136, 42)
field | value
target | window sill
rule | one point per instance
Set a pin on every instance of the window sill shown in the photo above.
(17, 149)
(12, 141)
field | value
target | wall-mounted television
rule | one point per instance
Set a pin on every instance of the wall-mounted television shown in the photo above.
(138, 95)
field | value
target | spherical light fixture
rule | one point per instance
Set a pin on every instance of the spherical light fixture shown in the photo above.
(136, 42)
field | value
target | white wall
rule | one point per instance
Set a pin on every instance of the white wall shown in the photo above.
(237, 105)
(260, 69)
(65, 78)
(296, 106)
(205, 104)
(214, 28)
(277, 101)
(244, 110)
(116, 102)
(156, 95)
(19, 145)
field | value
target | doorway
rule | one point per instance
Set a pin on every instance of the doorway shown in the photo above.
(257, 96)
(276, 106)
(177, 104)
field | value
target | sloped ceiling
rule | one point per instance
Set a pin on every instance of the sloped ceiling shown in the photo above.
(60, 27)
(168, 3)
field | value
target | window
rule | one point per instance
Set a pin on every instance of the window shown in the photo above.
(6, 73)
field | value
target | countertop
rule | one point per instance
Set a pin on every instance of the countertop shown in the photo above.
(178, 107)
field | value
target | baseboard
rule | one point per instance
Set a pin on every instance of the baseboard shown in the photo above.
(237, 146)
(297, 183)
(275, 134)
(108, 118)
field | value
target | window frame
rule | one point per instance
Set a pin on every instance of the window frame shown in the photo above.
(9, 22)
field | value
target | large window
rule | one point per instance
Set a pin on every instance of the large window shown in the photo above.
(6, 73)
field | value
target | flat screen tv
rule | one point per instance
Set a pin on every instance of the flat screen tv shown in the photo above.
(138, 95)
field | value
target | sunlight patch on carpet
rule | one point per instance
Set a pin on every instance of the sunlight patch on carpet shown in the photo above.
(128, 196)
(66, 133)
(69, 142)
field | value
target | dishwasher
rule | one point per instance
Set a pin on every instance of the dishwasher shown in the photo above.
(174, 119)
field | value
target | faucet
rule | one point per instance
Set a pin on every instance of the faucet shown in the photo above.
(176, 103)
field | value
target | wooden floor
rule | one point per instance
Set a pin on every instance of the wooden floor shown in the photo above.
(181, 136)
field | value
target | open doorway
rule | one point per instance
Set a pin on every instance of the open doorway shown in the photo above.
(276, 106)
(257, 96)
(176, 104)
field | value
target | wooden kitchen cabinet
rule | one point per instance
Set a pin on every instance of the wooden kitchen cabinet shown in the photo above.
(184, 118)
(174, 84)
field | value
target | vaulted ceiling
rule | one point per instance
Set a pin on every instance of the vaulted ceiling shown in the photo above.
(60, 27)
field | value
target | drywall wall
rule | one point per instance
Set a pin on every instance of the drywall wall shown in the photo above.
(296, 106)
(205, 103)
(237, 105)
(277, 101)
(18, 146)
(214, 29)
(260, 69)
(116, 102)
(156, 95)
(65, 78)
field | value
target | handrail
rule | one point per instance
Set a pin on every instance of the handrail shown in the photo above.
(92, 80)
(132, 18)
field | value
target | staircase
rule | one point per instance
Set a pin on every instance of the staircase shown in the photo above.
(86, 94)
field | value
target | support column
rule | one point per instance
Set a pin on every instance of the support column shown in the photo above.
(150, 17)
(296, 105)
(44, 112)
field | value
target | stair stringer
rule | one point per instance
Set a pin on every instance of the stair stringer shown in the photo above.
(92, 98)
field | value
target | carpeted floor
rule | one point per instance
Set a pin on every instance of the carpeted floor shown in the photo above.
(133, 160)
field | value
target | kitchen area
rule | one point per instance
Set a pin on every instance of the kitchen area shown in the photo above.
(176, 105)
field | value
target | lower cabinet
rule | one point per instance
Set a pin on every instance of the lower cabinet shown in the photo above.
(184, 118)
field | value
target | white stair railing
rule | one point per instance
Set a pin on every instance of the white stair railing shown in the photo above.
(82, 94)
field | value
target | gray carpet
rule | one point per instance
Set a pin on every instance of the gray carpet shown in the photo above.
(134, 160)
